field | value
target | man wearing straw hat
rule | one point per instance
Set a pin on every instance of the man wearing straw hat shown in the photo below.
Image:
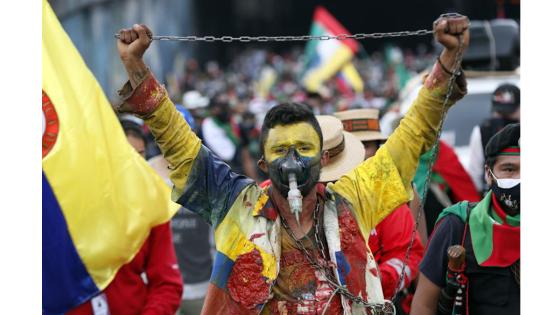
(364, 124)
(326, 266)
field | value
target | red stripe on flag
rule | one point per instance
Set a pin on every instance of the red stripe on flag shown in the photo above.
(323, 17)
(343, 86)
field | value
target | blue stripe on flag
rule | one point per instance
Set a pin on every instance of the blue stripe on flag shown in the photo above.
(66, 282)
(222, 269)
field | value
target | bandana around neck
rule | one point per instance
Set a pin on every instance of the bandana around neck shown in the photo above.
(495, 235)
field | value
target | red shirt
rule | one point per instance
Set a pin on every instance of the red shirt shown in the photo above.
(388, 243)
(128, 294)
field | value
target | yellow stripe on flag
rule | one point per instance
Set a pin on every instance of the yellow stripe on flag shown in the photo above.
(109, 195)
(351, 74)
(315, 77)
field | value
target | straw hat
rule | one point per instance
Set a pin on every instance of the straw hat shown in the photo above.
(362, 123)
(345, 150)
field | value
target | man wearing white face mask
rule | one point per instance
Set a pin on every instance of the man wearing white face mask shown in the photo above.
(489, 231)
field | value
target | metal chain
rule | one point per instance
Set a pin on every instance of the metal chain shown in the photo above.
(450, 84)
(516, 270)
(378, 308)
(247, 39)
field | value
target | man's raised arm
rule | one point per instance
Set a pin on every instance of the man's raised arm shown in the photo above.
(417, 131)
(202, 183)
(383, 182)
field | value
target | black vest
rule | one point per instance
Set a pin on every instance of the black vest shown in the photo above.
(492, 290)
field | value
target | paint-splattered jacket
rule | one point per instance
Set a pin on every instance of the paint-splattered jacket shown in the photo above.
(247, 228)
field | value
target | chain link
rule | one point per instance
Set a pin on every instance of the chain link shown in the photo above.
(247, 39)
(450, 84)
(516, 270)
(378, 308)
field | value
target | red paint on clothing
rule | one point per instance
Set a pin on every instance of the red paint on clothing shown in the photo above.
(302, 279)
(269, 212)
(354, 248)
(246, 284)
(255, 236)
(299, 288)
(147, 96)
(292, 257)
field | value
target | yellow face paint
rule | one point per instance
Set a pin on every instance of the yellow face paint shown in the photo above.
(300, 135)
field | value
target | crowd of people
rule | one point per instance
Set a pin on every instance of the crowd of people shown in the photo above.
(257, 79)
(297, 203)
(226, 105)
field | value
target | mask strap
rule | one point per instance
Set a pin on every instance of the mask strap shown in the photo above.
(492, 173)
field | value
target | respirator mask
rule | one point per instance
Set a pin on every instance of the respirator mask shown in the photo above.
(295, 176)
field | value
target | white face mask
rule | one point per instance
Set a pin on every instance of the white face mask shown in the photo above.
(506, 183)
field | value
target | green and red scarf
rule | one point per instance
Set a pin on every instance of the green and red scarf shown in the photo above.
(495, 235)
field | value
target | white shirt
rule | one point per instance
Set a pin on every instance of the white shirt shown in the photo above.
(475, 168)
(217, 140)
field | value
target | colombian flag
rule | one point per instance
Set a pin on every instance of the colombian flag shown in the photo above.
(327, 58)
(100, 198)
(348, 80)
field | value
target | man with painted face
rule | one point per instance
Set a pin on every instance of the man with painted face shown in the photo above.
(490, 233)
(329, 226)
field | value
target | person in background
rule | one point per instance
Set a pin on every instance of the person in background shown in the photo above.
(197, 105)
(193, 246)
(223, 137)
(506, 110)
(449, 183)
(490, 233)
(390, 239)
(151, 283)
(220, 133)
(251, 151)
(316, 100)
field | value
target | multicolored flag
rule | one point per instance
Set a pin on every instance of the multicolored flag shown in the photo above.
(327, 58)
(348, 80)
(100, 198)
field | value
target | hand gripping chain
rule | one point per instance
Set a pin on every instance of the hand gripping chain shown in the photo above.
(247, 39)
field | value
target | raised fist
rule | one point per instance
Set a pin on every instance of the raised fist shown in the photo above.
(133, 42)
(447, 28)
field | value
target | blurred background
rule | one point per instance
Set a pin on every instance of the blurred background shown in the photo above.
(252, 77)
